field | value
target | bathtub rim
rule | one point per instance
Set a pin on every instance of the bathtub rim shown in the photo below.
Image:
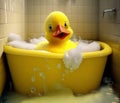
(106, 50)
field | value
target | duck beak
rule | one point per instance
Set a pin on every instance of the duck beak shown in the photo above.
(60, 32)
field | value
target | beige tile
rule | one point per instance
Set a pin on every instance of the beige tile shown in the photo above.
(12, 20)
(36, 18)
(76, 9)
(42, 18)
(36, 10)
(2, 4)
(37, 27)
(77, 2)
(43, 10)
(61, 2)
(2, 31)
(3, 16)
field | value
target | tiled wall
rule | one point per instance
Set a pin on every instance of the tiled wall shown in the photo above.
(83, 15)
(109, 24)
(26, 17)
(12, 17)
(109, 30)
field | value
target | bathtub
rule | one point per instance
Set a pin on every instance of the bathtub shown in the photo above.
(37, 72)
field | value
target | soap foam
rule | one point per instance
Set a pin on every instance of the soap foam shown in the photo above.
(16, 41)
(37, 40)
(13, 36)
(89, 47)
(73, 58)
(21, 44)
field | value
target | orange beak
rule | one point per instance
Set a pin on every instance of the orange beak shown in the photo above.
(60, 32)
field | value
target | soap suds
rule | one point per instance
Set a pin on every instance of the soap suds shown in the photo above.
(21, 45)
(59, 66)
(33, 79)
(37, 40)
(13, 36)
(85, 46)
(42, 75)
(32, 89)
(16, 41)
(73, 58)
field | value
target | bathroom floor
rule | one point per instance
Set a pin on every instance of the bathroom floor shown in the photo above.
(104, 95)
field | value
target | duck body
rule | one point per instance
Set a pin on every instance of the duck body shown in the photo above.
(58, 33)
(57, 48)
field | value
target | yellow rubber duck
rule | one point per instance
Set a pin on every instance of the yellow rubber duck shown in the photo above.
(58, 33)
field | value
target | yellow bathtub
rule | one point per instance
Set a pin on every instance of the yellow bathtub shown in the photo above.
(37, 72)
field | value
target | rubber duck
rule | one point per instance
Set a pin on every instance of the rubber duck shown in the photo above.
(58, 33)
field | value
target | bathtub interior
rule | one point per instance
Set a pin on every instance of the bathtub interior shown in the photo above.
(37, 72)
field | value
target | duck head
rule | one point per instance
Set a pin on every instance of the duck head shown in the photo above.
(57, 28)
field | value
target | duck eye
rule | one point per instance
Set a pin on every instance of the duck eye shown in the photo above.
(50, 27)
(65, 24)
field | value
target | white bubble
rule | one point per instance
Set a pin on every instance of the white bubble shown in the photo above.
(39, 94)
(13, 36)
(72, 59)
(42, 75)
(59, 66)
(48, 67)
(34, 69)
(33, 79)
(37, 40)
(63, 79)
(33, 89)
